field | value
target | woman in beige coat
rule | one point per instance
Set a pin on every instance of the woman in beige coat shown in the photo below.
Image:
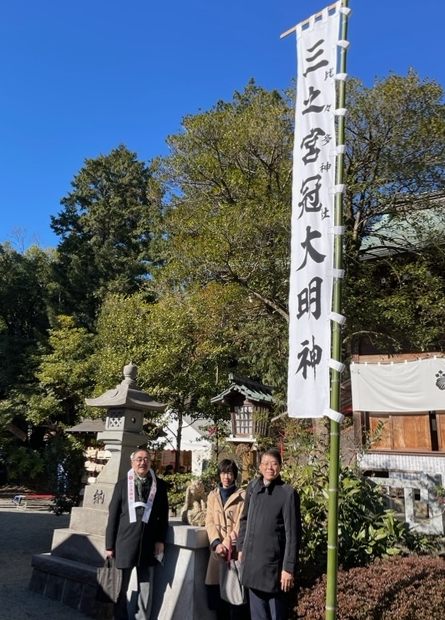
(224, 508)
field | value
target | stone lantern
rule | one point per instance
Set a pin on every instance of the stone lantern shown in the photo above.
(250, 404)
(126, 406)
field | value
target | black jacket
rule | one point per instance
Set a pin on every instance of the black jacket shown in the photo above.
(133, 543)
(270, 534)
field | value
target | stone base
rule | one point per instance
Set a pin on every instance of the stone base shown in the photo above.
(179, 591)
(72, 583)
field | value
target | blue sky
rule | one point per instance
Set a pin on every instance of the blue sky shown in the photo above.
(79, 78)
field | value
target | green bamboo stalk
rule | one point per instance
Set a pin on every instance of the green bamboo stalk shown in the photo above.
(334, 450)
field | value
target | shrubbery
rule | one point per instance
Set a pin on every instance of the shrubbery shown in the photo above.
(401, 588)
(176, 486)
(367, 529)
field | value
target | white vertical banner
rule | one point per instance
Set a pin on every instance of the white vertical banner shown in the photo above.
(311, 275)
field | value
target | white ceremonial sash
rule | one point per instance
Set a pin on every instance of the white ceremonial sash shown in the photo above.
(132, 504)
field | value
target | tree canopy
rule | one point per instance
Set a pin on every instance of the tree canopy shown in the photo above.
(182, 344)
(106, 227)
(23, 311)
(228, 206)
(394, 169)
(229, 180)
(395, 137)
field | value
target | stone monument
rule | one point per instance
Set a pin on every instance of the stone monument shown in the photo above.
(195, 506)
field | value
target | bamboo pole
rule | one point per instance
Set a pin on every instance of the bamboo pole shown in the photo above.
(334, 450)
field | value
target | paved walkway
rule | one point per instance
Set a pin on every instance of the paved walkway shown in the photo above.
(24, 532)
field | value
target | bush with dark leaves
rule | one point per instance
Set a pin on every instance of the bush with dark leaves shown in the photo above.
(398, 588)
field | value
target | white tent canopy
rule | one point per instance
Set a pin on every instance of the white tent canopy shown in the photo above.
(405, 387)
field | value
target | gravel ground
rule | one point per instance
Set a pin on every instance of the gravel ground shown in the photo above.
(24, 532)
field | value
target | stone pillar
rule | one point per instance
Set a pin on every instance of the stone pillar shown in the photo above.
(180, 592)
(68, 571)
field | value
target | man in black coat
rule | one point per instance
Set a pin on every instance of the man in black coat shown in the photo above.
(269, 540)
(136, 532)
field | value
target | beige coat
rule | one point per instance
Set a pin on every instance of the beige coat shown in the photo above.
(221, 521)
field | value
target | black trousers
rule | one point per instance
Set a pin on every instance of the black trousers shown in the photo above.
(222, 609)
(139, 605)
(267, 606)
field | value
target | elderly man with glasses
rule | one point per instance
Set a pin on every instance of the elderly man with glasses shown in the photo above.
(136, 531)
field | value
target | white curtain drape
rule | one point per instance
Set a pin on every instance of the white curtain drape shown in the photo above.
(400, 387)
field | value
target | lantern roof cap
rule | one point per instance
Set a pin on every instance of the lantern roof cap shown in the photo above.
(250, 389)
(126, 394)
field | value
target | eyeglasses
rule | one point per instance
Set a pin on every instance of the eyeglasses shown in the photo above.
(142, 460)
(272, 464)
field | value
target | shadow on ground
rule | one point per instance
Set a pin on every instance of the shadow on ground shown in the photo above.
(24, 532)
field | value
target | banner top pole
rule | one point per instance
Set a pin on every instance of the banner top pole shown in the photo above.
(306, 21)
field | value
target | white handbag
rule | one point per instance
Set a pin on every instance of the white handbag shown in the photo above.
(230, 586)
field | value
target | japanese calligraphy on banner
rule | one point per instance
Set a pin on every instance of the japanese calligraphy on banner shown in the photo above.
(311, 276)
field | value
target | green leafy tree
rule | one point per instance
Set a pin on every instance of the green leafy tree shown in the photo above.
(24, 282)
(397, 303)
(25, 465)
(228, 207)
(395, 170)
(182, 345)
(106, 227)
(41, 410)
(65, 375)
(395, 137)
(227, 213)
(229, 178)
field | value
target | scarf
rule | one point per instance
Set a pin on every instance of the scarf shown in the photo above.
(226, 493)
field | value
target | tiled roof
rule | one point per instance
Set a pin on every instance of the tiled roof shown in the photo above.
(252, 390)
(406, 230)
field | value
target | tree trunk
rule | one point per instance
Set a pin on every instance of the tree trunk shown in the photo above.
(178, 441)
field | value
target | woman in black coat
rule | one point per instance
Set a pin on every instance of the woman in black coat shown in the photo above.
(269, 540)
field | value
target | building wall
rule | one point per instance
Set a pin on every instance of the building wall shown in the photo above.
(193, 441)
(387, 461)
(411, 483)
